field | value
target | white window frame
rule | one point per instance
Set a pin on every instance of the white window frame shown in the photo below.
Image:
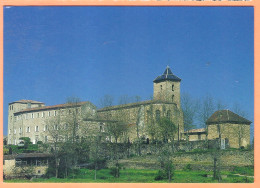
(36, 128)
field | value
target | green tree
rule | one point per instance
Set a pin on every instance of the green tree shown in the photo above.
(167, 130)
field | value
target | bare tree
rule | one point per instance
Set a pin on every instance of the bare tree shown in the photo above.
(190, 109)
(124, 99)
(66, 129)
(106, 101)
(137, 98)
(117, 127)
(151, 127)
(236, 108)
(207, 108)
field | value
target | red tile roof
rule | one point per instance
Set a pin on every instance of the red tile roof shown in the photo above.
(52, 107)
(27, 101)
(226, 116)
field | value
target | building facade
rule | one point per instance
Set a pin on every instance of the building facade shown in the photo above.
(28, 118)
(31, 119)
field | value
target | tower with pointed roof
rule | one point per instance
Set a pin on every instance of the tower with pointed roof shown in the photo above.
(167, 87)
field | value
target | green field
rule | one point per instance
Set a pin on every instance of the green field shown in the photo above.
(144, 176)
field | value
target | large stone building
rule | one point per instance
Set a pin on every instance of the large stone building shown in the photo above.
(27, 118)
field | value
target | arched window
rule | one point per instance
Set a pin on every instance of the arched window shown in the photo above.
(168, 115)
(158, 115)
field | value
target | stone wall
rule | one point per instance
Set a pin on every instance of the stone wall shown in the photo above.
(141, 114)
(198, 161)
(237, 134)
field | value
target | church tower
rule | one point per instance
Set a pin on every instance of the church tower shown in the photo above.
(167, 87)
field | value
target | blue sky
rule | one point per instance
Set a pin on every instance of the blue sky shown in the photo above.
(52, 53)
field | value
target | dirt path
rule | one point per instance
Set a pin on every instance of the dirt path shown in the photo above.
(243, 175)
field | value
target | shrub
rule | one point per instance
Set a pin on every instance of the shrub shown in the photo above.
(187, 167)
(39, 142)
(132, 155)
(160, 175)
(115, 171)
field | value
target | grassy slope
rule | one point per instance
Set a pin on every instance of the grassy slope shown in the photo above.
(140, 176)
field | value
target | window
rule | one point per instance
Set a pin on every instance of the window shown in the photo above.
(36, 128)
(54, 113)
(172, 98)
(55, 127)
(14, 131)
(29, 105)
(45, 128)
(43, 114)
(20, 130)
(38, 115)
(158, 115)
(172, 87)
(46, 138)
(32, 115)
(49, 113)
(28, 129)
(12, 107)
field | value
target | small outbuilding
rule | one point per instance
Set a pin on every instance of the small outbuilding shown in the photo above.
(229, 126)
